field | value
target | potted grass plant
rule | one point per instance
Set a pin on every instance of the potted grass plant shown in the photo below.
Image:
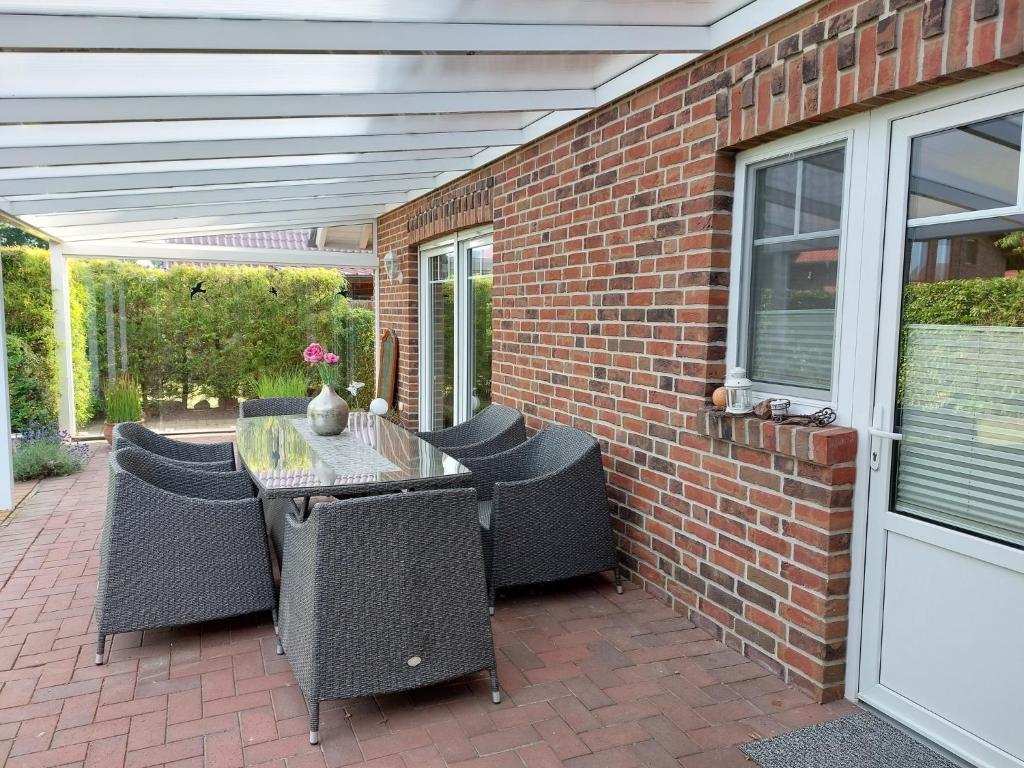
(123, 401)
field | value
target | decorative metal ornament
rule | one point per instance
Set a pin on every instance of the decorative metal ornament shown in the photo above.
(821, 418)
(780, 409)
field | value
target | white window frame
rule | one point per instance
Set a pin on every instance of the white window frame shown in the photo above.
(461, 242)
(853, 136)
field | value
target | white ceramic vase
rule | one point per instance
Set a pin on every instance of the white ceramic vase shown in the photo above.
(327, 412)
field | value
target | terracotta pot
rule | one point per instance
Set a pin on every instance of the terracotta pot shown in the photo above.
(108, 430)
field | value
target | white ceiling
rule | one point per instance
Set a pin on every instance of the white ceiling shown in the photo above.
(142, 119)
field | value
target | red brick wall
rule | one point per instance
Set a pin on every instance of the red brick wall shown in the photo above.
(612, 247)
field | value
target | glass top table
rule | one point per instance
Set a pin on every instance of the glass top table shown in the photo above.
(287, 460)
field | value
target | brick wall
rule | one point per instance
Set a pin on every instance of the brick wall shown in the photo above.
(612, 247)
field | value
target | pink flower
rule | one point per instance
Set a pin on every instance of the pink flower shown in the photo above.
(314, 353)
(330, 358)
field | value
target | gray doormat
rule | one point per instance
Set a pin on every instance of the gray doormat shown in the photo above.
(855, 741)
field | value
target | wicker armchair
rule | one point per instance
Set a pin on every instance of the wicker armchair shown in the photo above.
(202, 456)
(495, 429)
(544, 510)
(383, 594)
(274, 406)
(179, 546)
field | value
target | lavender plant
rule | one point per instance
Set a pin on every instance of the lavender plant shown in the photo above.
(45, 450)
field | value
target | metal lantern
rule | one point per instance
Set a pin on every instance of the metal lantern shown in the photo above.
(392, 267)
(739, 392)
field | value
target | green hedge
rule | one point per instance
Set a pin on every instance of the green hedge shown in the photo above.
(992, 301)
(32, 361)
(215, 343)
(31, 347)
(997, 301)
(178, 348)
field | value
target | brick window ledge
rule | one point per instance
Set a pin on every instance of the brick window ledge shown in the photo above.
(824, 446)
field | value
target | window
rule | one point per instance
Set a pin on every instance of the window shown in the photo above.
(788, 272)
(455, 328)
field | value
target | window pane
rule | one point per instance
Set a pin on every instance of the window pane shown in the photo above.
(793, 295)
(775, 200)
(821, 193)
(481, 289)
(970, 168)
(442, 340)
(960, 385)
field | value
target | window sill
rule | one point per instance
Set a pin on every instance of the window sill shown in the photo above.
(824, 446)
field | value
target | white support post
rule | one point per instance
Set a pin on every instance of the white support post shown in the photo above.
(62, 329)
(376, 309)
(6, 444)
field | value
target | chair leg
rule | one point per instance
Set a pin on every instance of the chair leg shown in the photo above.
(273, 618)
(618, 579)
(279, 649)
(490, 600)
(495, 691)
(314, 722)
(101, 642)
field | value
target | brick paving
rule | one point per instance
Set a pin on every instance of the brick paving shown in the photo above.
(590, 679)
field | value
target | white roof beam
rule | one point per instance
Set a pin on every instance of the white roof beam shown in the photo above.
(30, 32)
(74, 134)
(214, 164)
(142, 108)
(179, 252)
(182, 227)
(133, 229)
(59, 220)
(73, 204)
(126, 181)
(12, 157)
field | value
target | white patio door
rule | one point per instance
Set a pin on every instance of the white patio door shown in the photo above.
(455, 328)
(943, 629)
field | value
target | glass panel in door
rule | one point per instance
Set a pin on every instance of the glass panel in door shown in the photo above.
(960, 385)
(480, 298)
(441, 339)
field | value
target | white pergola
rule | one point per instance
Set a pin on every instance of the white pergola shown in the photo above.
(125, 123)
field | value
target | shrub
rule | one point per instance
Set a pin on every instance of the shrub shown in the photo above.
(32, 373)
(33, 395)
(46, 451)
(293, 382)
(30, 317)
(123, 401)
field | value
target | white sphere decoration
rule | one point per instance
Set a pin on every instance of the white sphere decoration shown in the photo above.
(379, 406)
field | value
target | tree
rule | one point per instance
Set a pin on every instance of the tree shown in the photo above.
(16, 236)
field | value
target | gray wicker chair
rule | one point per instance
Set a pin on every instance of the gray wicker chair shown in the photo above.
(274, 406)
(495, 429)
(544, 510)
(383, 594)
(202, 456)
(179, 546)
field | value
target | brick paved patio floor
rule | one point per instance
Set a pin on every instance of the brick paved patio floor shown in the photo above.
(589, 678)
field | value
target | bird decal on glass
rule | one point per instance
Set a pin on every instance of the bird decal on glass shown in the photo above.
(196, 290)
(273, 291)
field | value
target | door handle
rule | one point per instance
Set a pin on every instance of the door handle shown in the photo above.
(883, 435)
(878, 434)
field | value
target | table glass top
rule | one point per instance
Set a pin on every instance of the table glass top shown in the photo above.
(283, 454)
